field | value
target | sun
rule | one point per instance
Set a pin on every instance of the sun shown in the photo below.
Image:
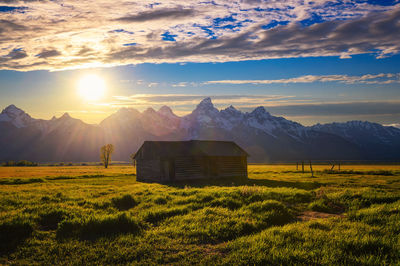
(91, 87)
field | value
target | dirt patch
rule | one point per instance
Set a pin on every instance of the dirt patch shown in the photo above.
(312, 215)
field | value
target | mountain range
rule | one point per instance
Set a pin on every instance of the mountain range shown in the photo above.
(265, 137)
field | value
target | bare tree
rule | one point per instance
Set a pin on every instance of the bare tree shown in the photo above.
(105, 154)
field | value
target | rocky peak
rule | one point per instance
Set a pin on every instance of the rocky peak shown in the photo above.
(205, 107)
(205, 104)
(127, 111)
(166, 111)
(260, 113)
(231, 112)
(12, 111)
(65, 116)
(16, 116)
(149, 111)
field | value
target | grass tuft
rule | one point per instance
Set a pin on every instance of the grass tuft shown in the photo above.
(124, 202)
(96, 227)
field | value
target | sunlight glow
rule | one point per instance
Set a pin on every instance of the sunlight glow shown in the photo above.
(91, 87)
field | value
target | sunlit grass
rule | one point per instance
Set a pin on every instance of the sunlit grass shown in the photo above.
(92, 215)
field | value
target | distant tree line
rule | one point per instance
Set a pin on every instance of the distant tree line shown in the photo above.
(19, 163)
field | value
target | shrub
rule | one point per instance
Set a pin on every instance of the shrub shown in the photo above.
(19, 163)
(270, 212)
(96, 227)
(9, 163)
(26, 163)
(124, 202)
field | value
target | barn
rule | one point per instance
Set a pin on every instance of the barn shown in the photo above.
(164, 161)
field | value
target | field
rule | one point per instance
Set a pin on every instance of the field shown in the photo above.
(279, 216)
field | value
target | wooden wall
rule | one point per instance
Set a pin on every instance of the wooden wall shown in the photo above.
(191, 168)
(210, 167)
(148, 170)
(232, 166)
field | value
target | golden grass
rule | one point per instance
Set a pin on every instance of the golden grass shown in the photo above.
(55, 171)
(254, 170)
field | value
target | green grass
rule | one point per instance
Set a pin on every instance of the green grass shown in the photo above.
(96, 216)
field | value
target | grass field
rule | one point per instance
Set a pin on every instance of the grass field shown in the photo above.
(91, 215)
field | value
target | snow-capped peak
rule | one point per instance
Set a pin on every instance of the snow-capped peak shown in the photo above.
(166, 111)
(205, 105)
(16, 116)
(12, 111)
(260, 111)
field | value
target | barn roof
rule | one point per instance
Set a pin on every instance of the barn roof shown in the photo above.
(171, 149)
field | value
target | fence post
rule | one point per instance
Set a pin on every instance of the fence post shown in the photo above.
(312, 172)
(302, 166)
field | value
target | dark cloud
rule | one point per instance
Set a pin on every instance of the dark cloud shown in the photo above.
(15, 54)
(165, 13)
(377, 32)
(8, 26)
(49, 53)
(84, 51)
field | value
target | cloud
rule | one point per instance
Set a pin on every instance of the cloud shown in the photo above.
(94, 33)
(186, 102)
(49, 53)
(381, 78)
(336, 109)
(158, 14)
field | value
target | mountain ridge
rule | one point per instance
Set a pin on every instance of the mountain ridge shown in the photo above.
(266, 137)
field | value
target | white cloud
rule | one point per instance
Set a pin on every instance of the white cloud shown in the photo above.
(365, 79)
(187, 101)
(72, 34)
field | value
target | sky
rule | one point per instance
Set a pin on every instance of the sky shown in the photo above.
(309, 61)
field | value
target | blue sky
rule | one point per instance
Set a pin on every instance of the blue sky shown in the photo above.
(309, 61)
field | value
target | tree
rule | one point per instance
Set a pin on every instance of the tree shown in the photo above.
(105, 154)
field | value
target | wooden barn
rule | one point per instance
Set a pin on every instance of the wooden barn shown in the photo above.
(180, 160)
